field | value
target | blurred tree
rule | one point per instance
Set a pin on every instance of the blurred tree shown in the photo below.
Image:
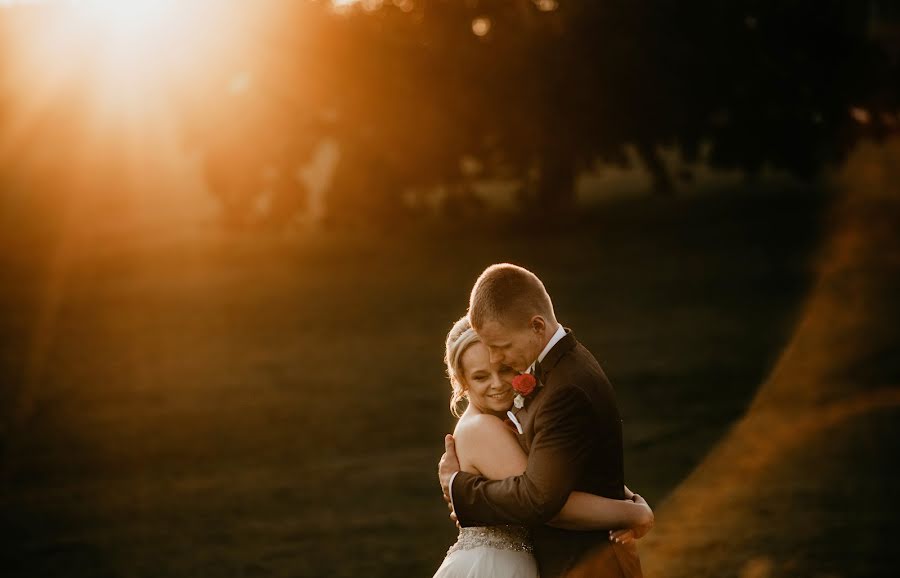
(538, 91)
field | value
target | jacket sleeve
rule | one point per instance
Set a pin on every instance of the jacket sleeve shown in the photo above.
(559, 450)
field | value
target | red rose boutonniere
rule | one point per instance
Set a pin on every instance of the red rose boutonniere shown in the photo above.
(524, 385)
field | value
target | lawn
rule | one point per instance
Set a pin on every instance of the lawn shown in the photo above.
(249, 405)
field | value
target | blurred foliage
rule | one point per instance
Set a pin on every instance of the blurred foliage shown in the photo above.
(419, 94)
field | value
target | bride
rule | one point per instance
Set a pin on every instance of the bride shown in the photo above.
(487, 445)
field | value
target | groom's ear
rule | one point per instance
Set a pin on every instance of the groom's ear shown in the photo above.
(538, 325)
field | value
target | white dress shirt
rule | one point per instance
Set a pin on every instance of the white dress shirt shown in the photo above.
(559, 334)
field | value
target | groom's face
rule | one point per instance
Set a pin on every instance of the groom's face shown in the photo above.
(515, 345)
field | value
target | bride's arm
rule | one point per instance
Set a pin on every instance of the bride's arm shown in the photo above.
(491, 447)
(584, 511)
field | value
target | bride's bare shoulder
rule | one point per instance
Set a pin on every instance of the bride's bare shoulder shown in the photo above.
(487, 446)
(474, 427)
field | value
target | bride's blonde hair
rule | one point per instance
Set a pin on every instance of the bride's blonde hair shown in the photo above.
(459, 339)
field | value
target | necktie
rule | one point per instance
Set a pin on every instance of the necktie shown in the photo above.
(538, 371)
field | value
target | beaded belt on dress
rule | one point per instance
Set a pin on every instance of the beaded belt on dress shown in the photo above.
(514, 538)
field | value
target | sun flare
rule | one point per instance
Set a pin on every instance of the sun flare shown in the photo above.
(110, 66)
(118, 50)
(130, 20)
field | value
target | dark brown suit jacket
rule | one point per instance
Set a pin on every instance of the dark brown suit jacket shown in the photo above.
(573, 437)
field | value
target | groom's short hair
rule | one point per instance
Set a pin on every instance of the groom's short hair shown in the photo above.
(509, 294)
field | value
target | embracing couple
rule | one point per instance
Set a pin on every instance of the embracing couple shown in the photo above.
(533, 473)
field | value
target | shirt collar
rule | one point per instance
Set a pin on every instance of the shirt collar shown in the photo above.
(560, 333)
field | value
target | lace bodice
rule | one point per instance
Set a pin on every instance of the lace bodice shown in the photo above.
(516, 538)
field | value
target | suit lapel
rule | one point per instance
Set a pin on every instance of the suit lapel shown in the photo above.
(553, 356)
(525, 415)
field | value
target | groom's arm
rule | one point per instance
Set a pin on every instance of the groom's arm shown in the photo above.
(559, 451)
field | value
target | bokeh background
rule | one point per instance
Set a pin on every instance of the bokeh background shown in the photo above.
(234, 234)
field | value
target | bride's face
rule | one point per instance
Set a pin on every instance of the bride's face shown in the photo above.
(489, 384)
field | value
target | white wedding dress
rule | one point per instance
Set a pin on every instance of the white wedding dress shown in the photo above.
(490, 552)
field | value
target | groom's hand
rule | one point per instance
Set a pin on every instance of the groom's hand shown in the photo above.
(448, 466)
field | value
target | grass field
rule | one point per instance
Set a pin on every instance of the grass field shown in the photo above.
(804, 484)
(221, 405)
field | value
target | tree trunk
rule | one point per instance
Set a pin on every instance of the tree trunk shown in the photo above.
(662, 180)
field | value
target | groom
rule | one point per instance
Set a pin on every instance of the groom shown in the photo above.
(569, 426)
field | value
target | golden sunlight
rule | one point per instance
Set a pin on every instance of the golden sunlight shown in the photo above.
(118, 53)
(122, 25)
(101, 86)
(130, 22)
